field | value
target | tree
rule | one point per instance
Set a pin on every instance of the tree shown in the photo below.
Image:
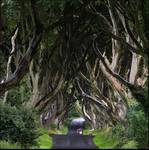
(94, 52)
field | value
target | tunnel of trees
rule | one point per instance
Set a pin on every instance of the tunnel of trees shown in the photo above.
(93, 54)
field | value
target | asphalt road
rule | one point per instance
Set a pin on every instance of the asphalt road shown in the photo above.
(73, 141)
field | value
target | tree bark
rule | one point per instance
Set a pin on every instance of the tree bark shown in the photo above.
(10, 61)
(1, 22)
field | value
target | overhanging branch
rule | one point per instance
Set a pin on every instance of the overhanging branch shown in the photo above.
(23, 67)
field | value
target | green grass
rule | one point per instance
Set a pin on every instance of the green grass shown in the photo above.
(44, 141)
(103, 139)
(63, 130)
(130, 145)
(9, 145)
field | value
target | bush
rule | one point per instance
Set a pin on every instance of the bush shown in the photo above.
(19, 95)
(135, 133)
(138, 126)
(119, 131)
(18, 125)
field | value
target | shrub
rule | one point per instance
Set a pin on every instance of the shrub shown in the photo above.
(119, 131)
(138, 126)
(136, 130)
(18, 125)
(19, 95)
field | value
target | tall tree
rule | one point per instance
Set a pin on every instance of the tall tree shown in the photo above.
(93, 53)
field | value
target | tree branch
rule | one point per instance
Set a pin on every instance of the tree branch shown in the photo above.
(90, 98)
(23, 67)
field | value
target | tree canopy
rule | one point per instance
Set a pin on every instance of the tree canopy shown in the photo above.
(92, 54)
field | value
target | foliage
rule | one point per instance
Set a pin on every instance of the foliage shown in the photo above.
(52, 129)
(44, 141)
(130, 145)
(104, 140)
(67, 47)
(145, 15)
(64, 130)
(71, 115)
(18, 125)
(19, 95)
(133, 135)
(2, 65)
(9, 145)
(146, 93)
(9, 13)
(135, 130)
(138, 126)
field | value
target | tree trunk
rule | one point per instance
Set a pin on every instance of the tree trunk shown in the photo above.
(10, 61)
(1, 22)
(134, 70)
(115, 44)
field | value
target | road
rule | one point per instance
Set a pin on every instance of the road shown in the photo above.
(73, 141)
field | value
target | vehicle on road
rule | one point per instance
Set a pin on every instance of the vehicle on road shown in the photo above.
(76, 126)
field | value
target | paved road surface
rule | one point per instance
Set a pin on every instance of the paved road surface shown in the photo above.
(73, 141)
